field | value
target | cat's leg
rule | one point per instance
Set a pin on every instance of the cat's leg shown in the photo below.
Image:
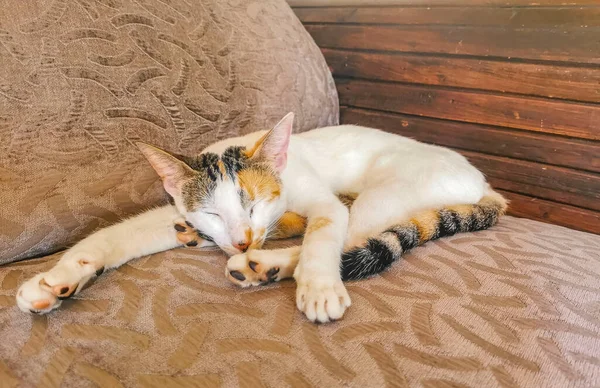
(388, 202)
(320, 293)
(258, 267)
(149, 232)
(315, 265)
(377, 208)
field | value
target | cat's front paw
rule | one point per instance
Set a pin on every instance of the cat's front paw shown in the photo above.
(33, 296)
(253, 269)
(45, 291)
(186, 234)
(321, 298)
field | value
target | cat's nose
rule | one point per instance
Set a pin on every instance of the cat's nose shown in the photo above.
(242, 245)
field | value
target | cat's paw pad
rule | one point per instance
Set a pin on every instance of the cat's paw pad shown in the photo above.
(247, 269)
(322, 300)
(35, 296)
(186, 234)
(45, 291)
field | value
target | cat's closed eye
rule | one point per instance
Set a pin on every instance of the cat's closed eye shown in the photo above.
(251, 211)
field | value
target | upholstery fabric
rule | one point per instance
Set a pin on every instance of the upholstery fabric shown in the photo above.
(82, 80)
(514, 306)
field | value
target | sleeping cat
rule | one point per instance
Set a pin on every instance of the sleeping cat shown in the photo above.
(240, 191)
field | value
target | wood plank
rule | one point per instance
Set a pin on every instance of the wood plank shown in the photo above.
(571, 45)
(553, 213)
(541, 192)
(435, 3)
(540, 180)
(563, 17)
(574, 83)
(539, 115)
(536, 147)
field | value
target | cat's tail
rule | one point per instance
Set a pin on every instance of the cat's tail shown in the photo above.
(381, 251)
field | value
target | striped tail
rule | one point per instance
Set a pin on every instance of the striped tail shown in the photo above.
(380, 252)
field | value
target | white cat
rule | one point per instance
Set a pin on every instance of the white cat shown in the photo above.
(240, 190)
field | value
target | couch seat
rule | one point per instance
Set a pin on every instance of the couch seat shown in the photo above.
(514, 306)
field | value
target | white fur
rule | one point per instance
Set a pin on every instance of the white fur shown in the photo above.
(393, 175)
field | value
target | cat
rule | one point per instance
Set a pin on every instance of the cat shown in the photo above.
(239, 191)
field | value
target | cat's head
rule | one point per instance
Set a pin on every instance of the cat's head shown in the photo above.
(234, 198)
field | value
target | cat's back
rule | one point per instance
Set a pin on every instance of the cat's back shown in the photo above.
(353, 136)
(356, 147)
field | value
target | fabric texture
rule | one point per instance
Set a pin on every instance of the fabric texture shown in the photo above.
(514, 306)
(82, 80)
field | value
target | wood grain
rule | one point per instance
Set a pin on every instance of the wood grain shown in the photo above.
(517, 17)
(574, 83)
(579, 45)
(553, 213)
(576, 120)
(550, 194)
(558, 183)
(536, 147)
(511, 84)
(437, 3)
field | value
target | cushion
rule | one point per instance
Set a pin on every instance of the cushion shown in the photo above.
(514, 306)
(81, 81)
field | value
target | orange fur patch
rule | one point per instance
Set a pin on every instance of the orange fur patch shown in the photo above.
(317, 223)
(289, 225)
(427, 224)
(292, 224)
(462, 210)
(259, 183)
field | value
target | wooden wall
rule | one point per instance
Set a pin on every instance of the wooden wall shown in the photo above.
(515, 88)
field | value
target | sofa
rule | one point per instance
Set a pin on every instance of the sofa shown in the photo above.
(517, 305)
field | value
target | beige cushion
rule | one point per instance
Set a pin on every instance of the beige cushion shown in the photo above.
(82, 80)
(514, 306)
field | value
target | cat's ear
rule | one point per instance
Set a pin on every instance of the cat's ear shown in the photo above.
(273, 146)
(171, 170)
